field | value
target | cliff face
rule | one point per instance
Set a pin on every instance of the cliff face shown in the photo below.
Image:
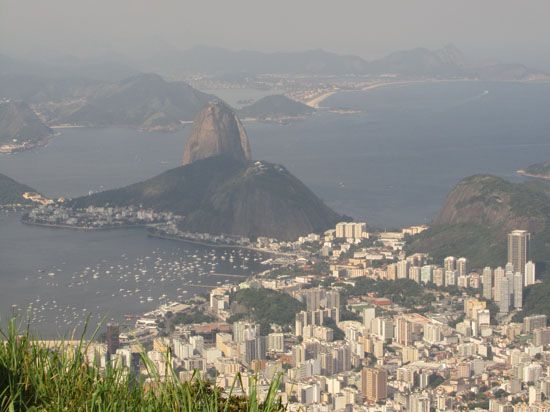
(478, 214)
(217, 131)
(224, 195)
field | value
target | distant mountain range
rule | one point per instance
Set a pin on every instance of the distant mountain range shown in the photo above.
(275, 106)
(20, 125)
(415, 63)
(220, 190)
(478, 214)
(11, 192)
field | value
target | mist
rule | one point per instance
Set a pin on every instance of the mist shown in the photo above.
(132, 29)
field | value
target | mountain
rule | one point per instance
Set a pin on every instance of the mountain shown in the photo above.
(223, 195)
(448, 61)
(217, 131)
(146, 101)
(215, 60)
(11, 192)
(220, 190)
(478, 214)
(275, 106)
(539, 170)
(19, 125)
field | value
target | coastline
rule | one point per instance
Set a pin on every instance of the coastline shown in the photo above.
(80, 228)
(317, 101)
(533, 175)
(217, 245)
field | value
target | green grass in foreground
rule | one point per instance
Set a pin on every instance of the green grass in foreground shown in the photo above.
(35, 378)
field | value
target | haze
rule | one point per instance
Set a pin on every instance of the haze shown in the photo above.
(490, 29)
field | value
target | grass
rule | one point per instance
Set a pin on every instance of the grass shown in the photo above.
(36, 378)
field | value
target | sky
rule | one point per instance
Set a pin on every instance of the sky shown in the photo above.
(502, 30)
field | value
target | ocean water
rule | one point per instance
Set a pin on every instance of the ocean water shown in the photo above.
(391, 164)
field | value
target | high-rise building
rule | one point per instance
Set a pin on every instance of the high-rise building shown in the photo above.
(518, 290)
(499, 274)
(374, 384)
(439, 277)
(462, 266)
(276, 342)
(426, 273)
(112, 338)
(351, 230)
(368, 316)
(243, 331)
(402, 269)
(504, 298)
(518, 249)
(530, 275)
(403, 331)
(487, 280)
(449, 263)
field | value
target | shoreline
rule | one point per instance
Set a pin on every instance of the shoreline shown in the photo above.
(80, 228)
(152, 234)
(317, 101)
(533, 175)
(217, 245)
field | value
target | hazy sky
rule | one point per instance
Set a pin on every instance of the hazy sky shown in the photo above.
(503, 29)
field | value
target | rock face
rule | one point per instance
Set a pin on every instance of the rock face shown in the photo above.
(217, 132)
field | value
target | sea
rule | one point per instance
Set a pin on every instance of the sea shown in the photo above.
(389, 160)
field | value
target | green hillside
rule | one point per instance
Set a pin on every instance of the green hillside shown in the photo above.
(223, 195)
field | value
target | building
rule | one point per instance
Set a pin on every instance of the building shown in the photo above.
(243, 331)
(462, 266)
(518, 249)
(403, 331)
(530, 274)
(449, 263)
(504, 295)
(518, 290)
(374, 384)
(487, 280)
(530, 323)
(351, 230)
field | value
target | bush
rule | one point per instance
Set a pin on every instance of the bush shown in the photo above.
(36, 378)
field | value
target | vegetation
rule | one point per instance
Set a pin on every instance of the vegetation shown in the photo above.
(538, 169)
(36, 378)
(535, 300)
(478, 215)
(187, 318)
(275, 106)
(404, 292)
(11, 192)
(19, 122)
(476, 242)
(266, 306)
(222, 195)
(338, 333)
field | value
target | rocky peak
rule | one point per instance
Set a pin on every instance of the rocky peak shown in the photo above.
(217, 132)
